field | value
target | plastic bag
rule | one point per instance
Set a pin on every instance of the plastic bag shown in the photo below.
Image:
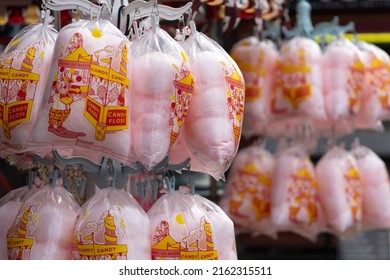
(298, 91)
(86, 106)
(248, 190)
(343, 80)
(24, 73)
(161, 94)
(181, 229)
(10, 205)
(213, 125)
(257, 61)
(376, 90)
(111, 225)
(222, 227)
(340, 191)
(43, 228)
(295, 206)
(376, 188)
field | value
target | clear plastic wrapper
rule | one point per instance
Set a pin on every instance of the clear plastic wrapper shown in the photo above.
(375, 99)
(86, 102)
(340, 191)
(43, 228)
(161, 94)
(186, 227)
(376, 188)
(295, 194)
(10, 205)
(24, 73)
(213, 125)
(257, 61)
(111, 225)
(343, 80)
(298, 92)
(247, 198)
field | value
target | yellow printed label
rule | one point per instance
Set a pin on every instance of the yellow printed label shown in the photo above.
(19, 240)
(101, 250)
(15, 113)
(18, 75)
(254, 185)
(199, 255)
(302, 195)
(112, 118)
(18, 84)
(296, 95)
(102, 241)
(13, 242)
(197, 245)
(295, 84)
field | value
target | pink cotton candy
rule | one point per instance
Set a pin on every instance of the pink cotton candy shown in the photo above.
(343, 79)
(181, 152)
(8, 214)
(161, 93)
(295, 205)
(376, 91)
(214, 120)
(153, 75)
(222, 227)
(10, 205)
(257, 60)
(376, 188)
(116, 224)
(212, 142)
(248, 190)
(25, 63)
(45, 224)
(86, 102)
(340, 191)
(299, 89)
(183, 228)
(205, 98)
(207, 67)
(152, 139)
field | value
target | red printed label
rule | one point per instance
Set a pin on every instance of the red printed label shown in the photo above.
(93, 109)
(116, 118)
(17, 112)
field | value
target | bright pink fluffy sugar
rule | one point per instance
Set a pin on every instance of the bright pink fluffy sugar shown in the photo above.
(376, 188)
(340, 190)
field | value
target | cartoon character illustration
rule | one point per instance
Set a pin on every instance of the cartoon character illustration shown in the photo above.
(93, 79)
(184, 86)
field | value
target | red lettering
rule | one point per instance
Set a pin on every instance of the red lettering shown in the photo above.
(17, 112)
(117, 118)
(93, 110)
